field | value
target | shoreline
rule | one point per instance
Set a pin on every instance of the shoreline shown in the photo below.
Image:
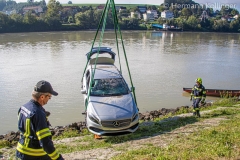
(13, 136)
(153, 30)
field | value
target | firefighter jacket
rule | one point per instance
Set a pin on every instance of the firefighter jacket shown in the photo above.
(198, 92)
(35, 138)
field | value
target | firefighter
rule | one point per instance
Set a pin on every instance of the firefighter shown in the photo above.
(198, 95)
(35, 142)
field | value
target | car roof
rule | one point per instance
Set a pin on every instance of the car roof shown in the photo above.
(106, 71)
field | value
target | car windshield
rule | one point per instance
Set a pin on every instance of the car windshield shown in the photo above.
(109, 87)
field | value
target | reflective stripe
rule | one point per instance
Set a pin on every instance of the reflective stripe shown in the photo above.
(27, 132)
(30, 151)
(43, 133)
(196, 109)
(54, 155)
(198, 97)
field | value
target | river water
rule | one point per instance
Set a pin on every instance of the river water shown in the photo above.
(161, 64)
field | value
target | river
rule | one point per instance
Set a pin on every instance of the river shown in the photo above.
(161, 64)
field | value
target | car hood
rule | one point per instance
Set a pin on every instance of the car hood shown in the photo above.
(113, 107)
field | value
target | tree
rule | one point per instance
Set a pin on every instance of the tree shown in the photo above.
(81, 19)
(43, 5)
(52, 17)
(135, 9)
(235, 25)
(29, 18)
(181, 22)
(152, 7)
(133, 23)
(90, 18)
(10, 2)
(234, 12)
(186, 12)
(69, 2)
(224, 11)
(16, 17)
(162, 8)
(30, 1)
(3, 20)
(53, 9)
(192, 22)
(220, 25)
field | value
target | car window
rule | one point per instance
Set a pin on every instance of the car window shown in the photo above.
(109, 87)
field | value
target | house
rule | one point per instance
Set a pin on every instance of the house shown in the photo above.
(135, 15)
(122, 9)
(10, 12)
(117, 8)
(148, 17)
(236, 16)
(37, 9)
(165, 26)
(71, 9)
(227, 18)
(142, 9)
(154, 12)
(167, 14)
(100, 7)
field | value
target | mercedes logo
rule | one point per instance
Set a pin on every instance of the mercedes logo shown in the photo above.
(116, 123)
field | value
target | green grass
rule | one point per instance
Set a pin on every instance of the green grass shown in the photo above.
(226, 102)
(71, 133)
(221, 142)
(4, 143)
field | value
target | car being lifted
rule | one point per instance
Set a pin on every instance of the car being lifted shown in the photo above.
(110, 106)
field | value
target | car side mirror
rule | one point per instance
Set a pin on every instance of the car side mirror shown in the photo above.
(83, 91)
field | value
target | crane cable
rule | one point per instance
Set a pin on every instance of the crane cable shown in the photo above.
(116, 28)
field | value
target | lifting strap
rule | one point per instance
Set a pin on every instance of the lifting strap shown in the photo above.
(109, 3)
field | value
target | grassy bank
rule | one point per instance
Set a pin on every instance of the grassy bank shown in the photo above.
(216, 135)
(217, 142)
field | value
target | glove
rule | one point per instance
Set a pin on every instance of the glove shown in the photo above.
(47, 113)
(191, 98)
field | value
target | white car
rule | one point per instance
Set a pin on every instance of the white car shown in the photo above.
(110, 106)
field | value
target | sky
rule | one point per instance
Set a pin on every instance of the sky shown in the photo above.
(215, 4)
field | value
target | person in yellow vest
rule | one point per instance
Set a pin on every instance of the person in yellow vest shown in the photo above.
(198, 95)
(35, 141)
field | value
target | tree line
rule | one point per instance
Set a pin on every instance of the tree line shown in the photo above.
(55, 18)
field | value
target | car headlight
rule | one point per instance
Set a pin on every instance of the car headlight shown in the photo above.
(135, 116)
(93, 118)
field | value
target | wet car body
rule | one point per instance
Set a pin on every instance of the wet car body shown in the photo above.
(110, 106)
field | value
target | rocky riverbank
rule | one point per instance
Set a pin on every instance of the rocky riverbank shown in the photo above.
(79, 126)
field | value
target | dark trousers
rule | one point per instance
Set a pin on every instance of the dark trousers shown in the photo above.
(196, 106)
(196, 103)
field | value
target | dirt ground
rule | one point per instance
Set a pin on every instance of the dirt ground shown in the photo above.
(162, 139)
